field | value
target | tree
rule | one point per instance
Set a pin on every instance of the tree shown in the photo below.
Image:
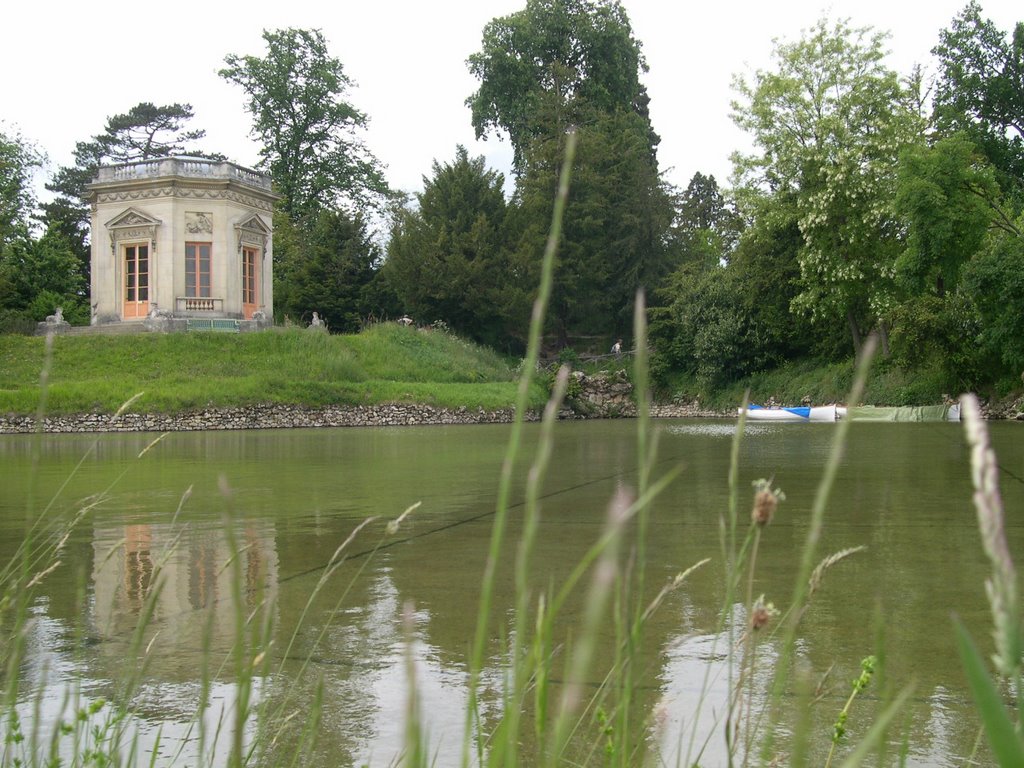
(339, 259)
(296, 95)
(561, 65)
(143, 132)
(702, 328)
(614, 229)
(767, 262)
(947, 195)
(18, 161)
(829, 122)
(447, 258)
(706, 225)
(40, 275)
(994, 280)
(553, 66)
(980, 90)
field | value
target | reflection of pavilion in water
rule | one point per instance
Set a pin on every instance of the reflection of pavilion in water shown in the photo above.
(192, 568)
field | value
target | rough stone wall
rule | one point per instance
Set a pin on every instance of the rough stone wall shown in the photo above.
(603, 395)
(610, 395)
(1009, 408)
(263, 417)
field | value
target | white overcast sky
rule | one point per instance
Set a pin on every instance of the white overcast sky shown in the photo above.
(66, 67)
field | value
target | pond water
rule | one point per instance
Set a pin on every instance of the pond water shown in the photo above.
(288, 499)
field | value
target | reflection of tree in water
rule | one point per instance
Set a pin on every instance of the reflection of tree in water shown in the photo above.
(353, 653)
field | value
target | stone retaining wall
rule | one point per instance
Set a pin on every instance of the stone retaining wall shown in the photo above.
(263, 417)
(290, 417)
(387, 415)
(692, 410)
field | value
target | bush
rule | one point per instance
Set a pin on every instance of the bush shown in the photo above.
(16, 321)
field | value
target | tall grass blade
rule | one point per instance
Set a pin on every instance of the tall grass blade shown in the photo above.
(1006, 743)
(802, 587)
(1001, 587)
(876, 734)
(504, 487)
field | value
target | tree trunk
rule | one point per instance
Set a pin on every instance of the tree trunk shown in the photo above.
(854, 333)
(883, 335)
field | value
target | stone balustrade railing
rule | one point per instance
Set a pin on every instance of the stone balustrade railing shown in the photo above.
(191, 304)
(192, 167)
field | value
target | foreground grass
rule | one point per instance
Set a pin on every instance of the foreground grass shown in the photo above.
(183, 372)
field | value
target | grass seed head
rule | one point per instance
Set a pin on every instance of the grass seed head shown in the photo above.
(762, 613)
(766, 501)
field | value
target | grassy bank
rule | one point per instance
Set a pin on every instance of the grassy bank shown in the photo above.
(790, 383)
(182, 372)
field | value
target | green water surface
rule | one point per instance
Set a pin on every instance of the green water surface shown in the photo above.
(290, 498)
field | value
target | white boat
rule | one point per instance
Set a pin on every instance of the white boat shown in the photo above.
(798, 413)
(858, 413)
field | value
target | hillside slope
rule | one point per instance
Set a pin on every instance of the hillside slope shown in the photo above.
(181, 372)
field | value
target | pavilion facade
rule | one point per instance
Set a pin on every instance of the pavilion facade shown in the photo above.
(181, 237)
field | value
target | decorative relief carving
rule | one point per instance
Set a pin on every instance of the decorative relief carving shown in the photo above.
(133, 219)
(248, 237)
(132, 224)
(250, 201)
(141, 233)
(198, 223)
(252, 231)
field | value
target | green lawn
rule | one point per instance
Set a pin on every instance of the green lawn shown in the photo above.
(187, 371)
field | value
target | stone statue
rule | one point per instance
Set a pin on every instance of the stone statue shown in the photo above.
(316, 322)
(158, 319)
(54, 323)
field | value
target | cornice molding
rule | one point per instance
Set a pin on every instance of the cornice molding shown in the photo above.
(190, 193)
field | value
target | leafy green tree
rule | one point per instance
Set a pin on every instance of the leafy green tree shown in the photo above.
(702, 329)
(829, 122)
(447, 258)
(980, 90)
(948, 196)
(707, 226)
(767, 262)
(310, 133)
(994, 280)
(339, 259)
(614, 230)
(18, 161)
(145, 131)
(40, 275)
(552, 66)
(573, 65)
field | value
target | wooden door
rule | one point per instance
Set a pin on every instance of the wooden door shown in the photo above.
(250, 282)
(136, 280)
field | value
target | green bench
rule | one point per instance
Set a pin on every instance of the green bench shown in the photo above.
(226, 325)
